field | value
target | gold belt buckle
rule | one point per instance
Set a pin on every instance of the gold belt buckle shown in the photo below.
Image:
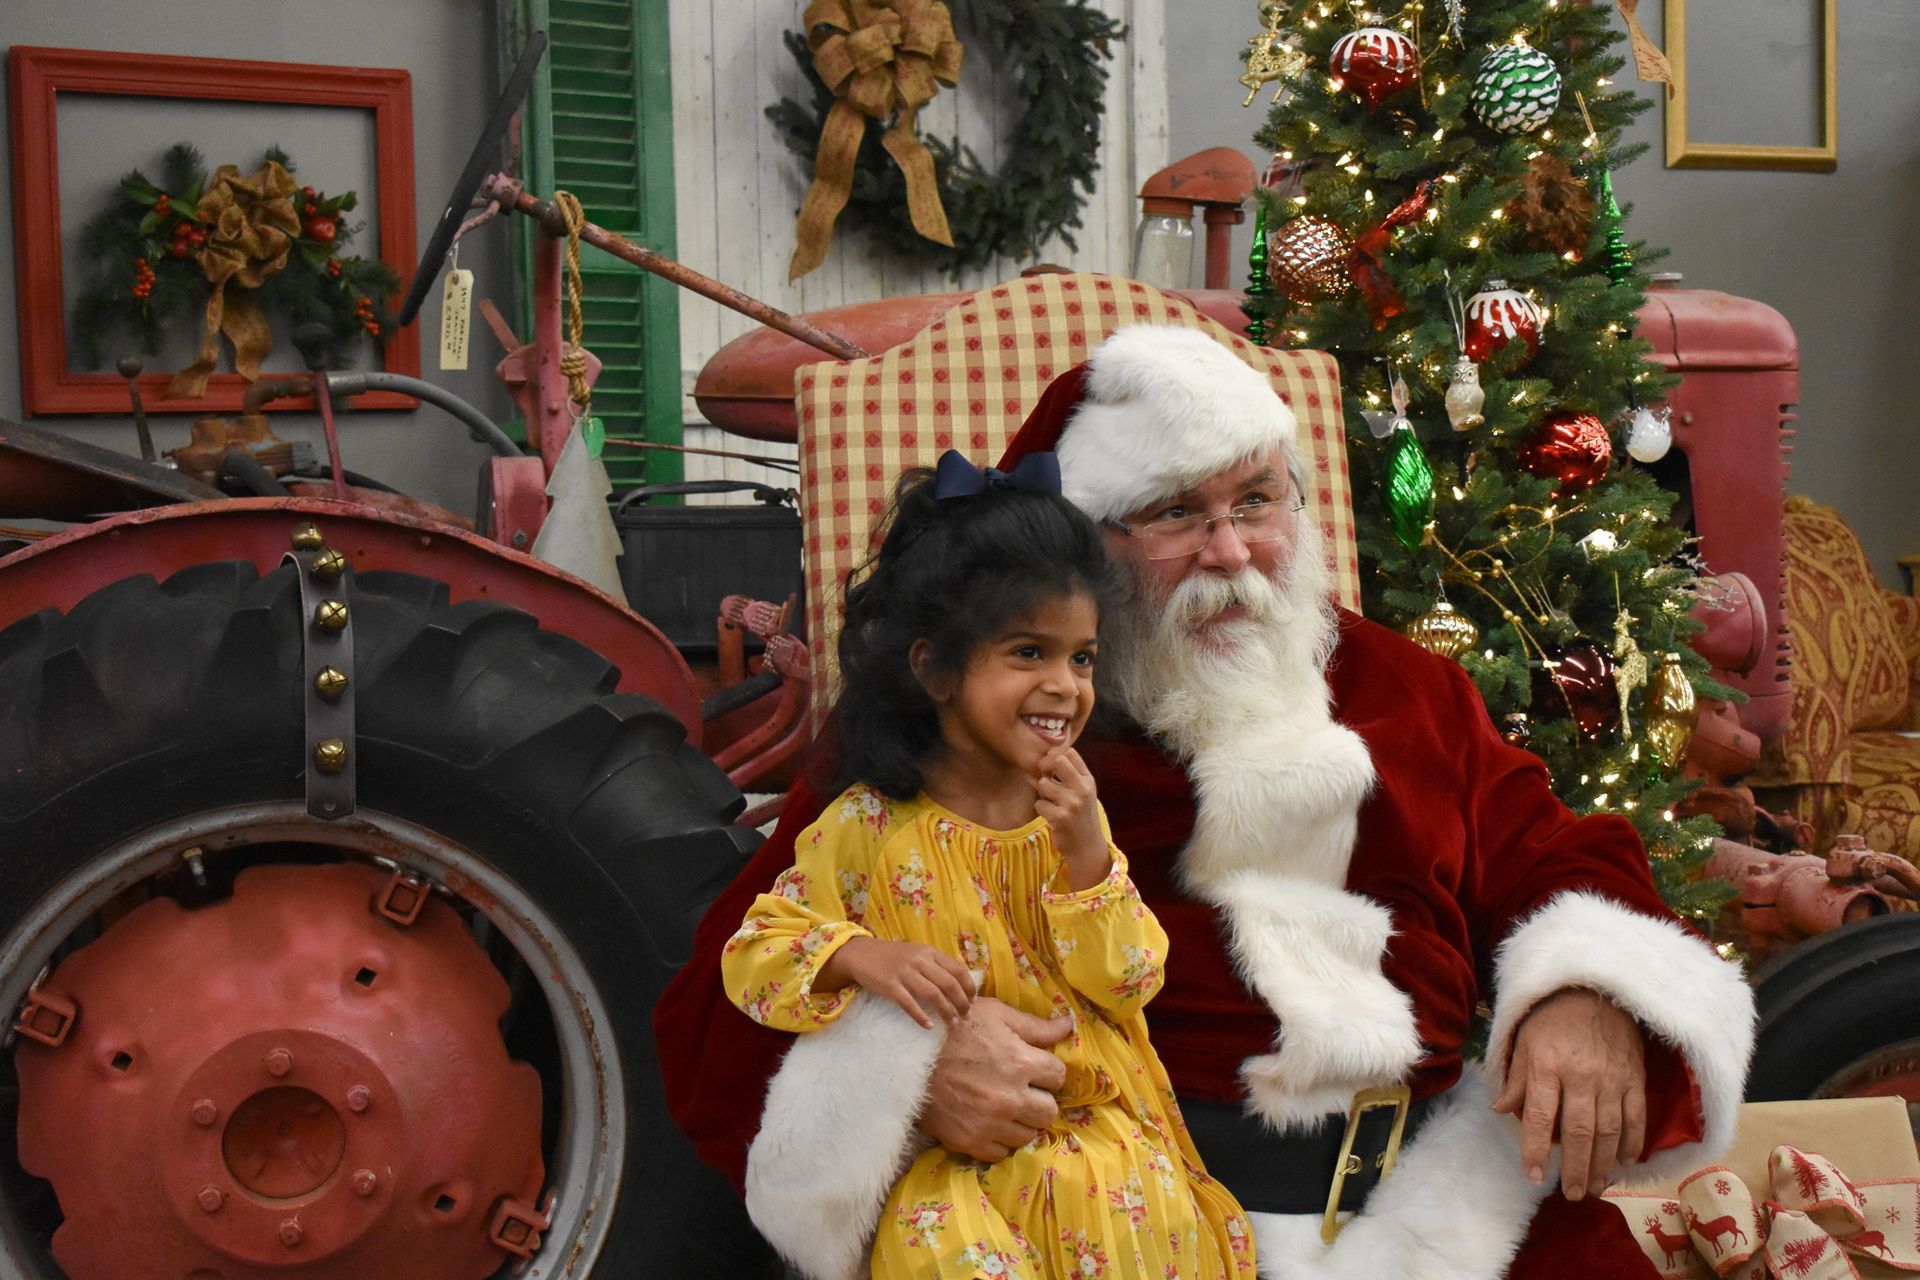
(1397, 1096)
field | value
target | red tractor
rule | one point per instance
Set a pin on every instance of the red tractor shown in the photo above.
(343, 854)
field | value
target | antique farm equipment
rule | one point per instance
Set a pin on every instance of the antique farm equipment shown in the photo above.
(348, 849)
(1732, 433)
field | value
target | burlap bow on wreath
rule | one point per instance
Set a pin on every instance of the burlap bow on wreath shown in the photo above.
(253, 225)
(882, 59)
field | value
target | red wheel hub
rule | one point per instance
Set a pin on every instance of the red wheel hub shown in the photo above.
(286, 1082)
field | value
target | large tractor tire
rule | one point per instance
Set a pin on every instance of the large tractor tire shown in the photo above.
(1840, 1015)
(152, 746)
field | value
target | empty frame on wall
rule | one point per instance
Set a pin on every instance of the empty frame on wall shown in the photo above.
(1766, 69)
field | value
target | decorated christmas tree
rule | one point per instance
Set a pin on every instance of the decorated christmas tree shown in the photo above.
(1441, 218)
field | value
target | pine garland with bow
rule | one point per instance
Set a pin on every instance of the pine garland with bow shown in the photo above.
(230, 248)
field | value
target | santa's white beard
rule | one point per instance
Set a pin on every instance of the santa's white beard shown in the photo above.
(1188, 683)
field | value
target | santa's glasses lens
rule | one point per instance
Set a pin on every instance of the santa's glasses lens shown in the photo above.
(1256, 522)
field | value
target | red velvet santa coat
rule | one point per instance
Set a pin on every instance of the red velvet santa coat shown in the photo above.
(1495, 892)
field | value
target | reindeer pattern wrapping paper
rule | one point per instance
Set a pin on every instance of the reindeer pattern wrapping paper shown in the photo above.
(1824, 1190)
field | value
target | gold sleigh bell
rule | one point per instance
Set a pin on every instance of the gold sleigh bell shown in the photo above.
(330, 754)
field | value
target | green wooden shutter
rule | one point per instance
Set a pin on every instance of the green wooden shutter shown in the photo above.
(599, 123)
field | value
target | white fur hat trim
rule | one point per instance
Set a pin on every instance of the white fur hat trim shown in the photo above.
(1166, 407)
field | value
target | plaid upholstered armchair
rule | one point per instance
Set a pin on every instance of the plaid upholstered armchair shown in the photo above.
(967, 381)
(1849, 762)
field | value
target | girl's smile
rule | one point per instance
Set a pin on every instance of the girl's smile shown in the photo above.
(1026, 691)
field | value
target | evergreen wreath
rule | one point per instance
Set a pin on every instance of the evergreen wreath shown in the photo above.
(1055, 49)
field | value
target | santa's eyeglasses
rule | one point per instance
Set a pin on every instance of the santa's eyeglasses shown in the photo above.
(1184, 535)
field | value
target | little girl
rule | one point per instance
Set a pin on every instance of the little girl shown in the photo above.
(971, 846)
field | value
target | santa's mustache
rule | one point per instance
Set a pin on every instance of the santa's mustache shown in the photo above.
(1198, 598)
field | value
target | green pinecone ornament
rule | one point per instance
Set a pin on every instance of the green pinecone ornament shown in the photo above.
(1516, 89)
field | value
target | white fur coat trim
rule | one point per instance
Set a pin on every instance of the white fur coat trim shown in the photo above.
(836, 1134)
(1313, 955)
(1674, 984)
(1165, 407)
(1456, 1206)
(1277, 798)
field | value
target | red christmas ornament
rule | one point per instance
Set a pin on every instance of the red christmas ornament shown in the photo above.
(1570, 449)
(322, 229)
(1497, 315)
(1375, 63)
(1578, 681)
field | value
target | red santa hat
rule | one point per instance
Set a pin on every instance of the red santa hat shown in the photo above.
(1154, 411)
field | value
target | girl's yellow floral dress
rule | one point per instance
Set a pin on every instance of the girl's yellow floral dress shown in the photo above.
(1114, 1188)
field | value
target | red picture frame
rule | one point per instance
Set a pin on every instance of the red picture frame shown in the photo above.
(38, 75)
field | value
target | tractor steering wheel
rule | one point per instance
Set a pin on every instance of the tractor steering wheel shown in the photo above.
(460, 203)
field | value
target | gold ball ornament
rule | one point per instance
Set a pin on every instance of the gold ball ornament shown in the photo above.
(1668, 709)
(1307, 258)
(1444, 630)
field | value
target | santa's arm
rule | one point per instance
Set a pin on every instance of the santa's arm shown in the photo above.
(715, 1063)
(1561, 902)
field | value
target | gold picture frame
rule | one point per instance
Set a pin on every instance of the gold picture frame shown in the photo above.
(1687, 153)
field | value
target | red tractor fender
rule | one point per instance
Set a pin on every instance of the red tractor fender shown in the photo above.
(62, 570)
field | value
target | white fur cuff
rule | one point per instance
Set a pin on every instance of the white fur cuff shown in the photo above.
(836, 1134)
(1674, 984)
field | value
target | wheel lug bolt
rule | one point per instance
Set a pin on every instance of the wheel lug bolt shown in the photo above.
(211, 1199)
(365, 1183)
(279, 1062)
(290, 1232)
(205, 1113)
(359, 1098)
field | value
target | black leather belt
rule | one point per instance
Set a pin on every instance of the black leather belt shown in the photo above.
(1299, 1173)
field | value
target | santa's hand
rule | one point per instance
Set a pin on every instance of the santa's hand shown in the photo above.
(1064, 794)
(1579, 1058)
(992, 1086)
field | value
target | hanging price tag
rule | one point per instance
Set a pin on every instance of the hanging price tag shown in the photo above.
(456, 310)
(594, 433)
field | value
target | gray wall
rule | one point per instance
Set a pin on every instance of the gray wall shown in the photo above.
(448, 46)
(1837, 253)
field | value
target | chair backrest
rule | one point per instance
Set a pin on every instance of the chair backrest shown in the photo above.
(967, 381)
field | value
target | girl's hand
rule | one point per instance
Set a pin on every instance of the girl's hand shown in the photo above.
(1064, 795)
(925, 981)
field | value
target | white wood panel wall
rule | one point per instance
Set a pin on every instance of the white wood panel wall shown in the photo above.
(737, 187)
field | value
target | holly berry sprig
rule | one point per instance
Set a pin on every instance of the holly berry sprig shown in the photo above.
(320, 214)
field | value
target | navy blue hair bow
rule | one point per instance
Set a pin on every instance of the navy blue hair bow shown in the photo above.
(955, 477)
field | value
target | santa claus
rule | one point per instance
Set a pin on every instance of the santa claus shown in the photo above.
(1349, 862)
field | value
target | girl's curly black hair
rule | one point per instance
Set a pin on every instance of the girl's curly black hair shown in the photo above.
(952, 572)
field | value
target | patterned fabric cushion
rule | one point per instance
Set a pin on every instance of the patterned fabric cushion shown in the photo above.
(1884, 803)
(1844, 638)
(1856, 650)
(967, 381)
